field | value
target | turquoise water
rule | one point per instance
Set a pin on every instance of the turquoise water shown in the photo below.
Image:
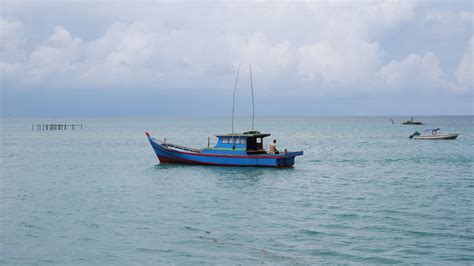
(362, 193)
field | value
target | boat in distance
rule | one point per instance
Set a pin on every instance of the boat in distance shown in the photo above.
(240, 149)
(412, 122)
(434, 135)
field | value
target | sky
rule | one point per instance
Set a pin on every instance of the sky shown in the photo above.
(309, 58)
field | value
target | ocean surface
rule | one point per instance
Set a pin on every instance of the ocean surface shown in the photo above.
(362, 193)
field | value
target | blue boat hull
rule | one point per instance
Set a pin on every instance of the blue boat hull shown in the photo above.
(169, 155)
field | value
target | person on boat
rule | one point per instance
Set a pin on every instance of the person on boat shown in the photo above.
(272, 148)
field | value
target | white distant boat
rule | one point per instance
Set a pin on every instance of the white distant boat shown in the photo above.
(434, 135)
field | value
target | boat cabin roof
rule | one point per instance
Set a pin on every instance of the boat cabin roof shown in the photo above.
(248, 134)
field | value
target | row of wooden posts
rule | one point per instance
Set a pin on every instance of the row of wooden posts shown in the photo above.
(40, 127)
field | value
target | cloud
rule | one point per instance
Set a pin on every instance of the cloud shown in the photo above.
(125, 53)
(448, 25)
(460, 17)
(12, 41)
(60, 54)
(465, 72)
(12, 52)
(424, 73)
(415, 72)
(364, 20)
(268, 59)
(324, 47)
(339, 64)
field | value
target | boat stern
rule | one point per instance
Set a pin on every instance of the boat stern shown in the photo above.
(287, 159)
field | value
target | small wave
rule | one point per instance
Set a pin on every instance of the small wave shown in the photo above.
(380, 260)
(310, 232)
(393, 160)
(347, 215)
(191, 228)
(273, 255)
(415, 252)
(152, 250)
(87, 239)
(197, 229)
(338, 226)
(431, 234)
(346, 256)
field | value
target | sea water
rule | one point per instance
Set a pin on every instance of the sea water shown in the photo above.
(362, 193)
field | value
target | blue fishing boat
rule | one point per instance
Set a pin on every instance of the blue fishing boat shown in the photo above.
(233, 149)
(245, 149)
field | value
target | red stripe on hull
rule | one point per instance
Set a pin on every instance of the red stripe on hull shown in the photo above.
(164, 159)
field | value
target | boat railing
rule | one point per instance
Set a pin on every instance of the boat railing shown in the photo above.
(168, 145)
(259, 151)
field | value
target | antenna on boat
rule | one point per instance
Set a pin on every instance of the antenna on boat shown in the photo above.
(233, 102)
(253, 102)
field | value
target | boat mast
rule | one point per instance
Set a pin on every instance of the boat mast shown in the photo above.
(253, 102)
(233, 103)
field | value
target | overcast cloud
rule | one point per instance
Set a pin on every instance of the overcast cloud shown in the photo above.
(314, 49)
